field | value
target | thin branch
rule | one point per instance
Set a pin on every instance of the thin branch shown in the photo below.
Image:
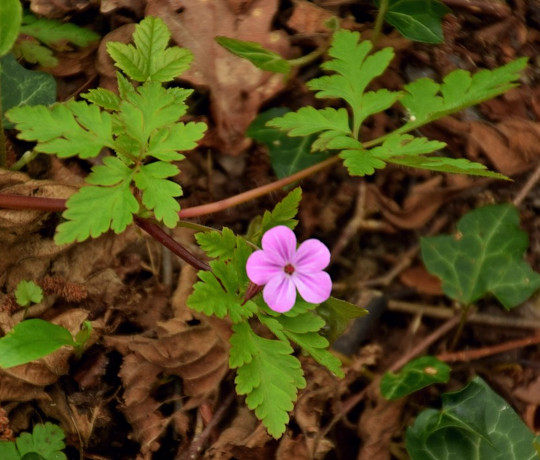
(156, 232)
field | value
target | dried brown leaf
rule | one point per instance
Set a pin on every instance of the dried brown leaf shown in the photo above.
(237, 87)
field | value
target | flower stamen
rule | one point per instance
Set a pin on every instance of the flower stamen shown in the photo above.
(289, 269)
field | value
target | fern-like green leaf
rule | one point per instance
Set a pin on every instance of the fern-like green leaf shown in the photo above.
(267, 374)
(220, 245)
(67, 130)
(165, 143)
(426, 100)
(158, 193)
(94, 210)
(309, 120)
(303, 329)
(103, 98)
(150, 59)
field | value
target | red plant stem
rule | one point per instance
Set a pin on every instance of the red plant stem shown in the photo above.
(156, 232)
(32, 202)
(235, 200)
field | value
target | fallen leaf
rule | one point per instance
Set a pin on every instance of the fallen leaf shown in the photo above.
(421, 280)
(237, 87)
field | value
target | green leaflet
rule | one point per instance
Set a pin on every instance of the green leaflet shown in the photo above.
(426, 100)
(28, 292)
(150, 59)
(10, 23)
(418, 20)
(267, 374)
(256, 54)
(415, 375)
(30, 340)
(353, 66)
(485, 257)
(45, 442)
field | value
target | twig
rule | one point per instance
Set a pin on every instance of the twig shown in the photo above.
(478, 318)
(469, 355)
(476, 6)
(156, 232)
(426, 342)
(197, 445)
(531, 182)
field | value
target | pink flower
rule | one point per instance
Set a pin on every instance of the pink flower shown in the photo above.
(283, 269)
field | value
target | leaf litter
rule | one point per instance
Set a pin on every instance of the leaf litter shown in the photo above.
(153, 367)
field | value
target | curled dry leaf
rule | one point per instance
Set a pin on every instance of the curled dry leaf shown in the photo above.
(237, 87)
(421, 204)
(512, 145)
(59, 9)
(419, 278)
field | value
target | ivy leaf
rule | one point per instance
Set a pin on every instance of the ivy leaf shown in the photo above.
(418, 20)
(10, 23)
(221, 291)
(94, 210)
(288, 155)
(484, 257)
(150, 59)
(56, 34)
(22, 87)
(415, 375)
(338, 314)
(30, 340)
(28, 292)
(256, 54)
(309, 120)
(426, 100)
(475, 423)
(158, 193)
(67, 130)
(267, 374)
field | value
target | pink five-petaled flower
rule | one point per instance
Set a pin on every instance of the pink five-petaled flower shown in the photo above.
(282, 269)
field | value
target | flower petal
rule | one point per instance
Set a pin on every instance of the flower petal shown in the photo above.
(260, 268)
(313, 287)
(279, 244)
(280, 293)
(311, 256)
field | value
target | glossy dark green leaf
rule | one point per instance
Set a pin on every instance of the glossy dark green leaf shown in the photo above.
(418, 20)
(287, 154)
(485, 256)
(415, 375)
(475, 423)
(10, 23)
(256, 54)
(337, 314)
(22, 87)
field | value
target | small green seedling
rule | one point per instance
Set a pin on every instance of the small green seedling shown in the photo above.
(46, 442)
(140, 125)
(33, 339)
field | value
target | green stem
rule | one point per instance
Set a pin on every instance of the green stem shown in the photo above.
(383, 9)
(26, 158)
(465, 310)
(3, 155)
(310, 57)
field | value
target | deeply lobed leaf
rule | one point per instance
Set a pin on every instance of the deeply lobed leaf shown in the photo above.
(267, 374)
(150, 59)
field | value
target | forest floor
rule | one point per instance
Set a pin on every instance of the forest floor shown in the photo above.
(154, 381)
